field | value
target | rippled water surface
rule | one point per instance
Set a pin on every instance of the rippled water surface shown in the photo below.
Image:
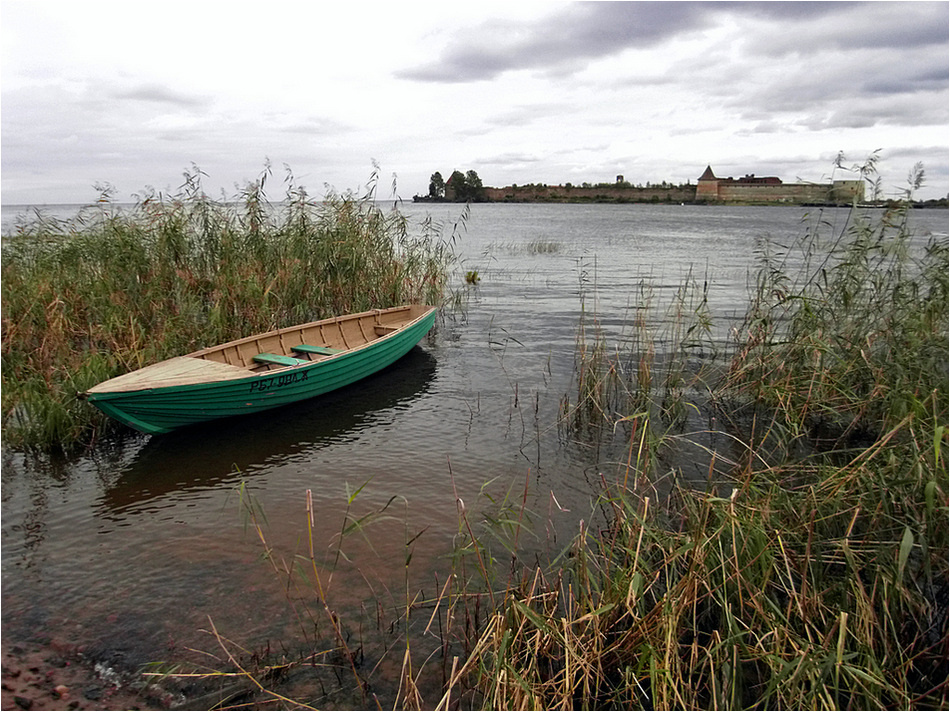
(133, 548)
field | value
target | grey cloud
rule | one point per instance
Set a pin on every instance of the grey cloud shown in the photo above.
(509, 158)
(789, 10)
(578, 34)
(158, 93)
(530, 113)
(903, 81)
(905, 153)
(912, 111)
(934, 159)
(829, 90)
(475, 130)
(764, 127)
(847, 26)
(567, 41)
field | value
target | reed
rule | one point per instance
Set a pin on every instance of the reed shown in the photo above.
(116, 289)
(847, 332)
(820, 580)
(653, 365)
(534, 246)
(363, 642)
(810, 572)
(542, 246)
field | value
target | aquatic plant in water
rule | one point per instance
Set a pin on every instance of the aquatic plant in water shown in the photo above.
(820, 580)
(817, 579)
(117, 289)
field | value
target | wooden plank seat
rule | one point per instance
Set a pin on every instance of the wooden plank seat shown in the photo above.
(383, 330)
(315, 350)
(277, 360)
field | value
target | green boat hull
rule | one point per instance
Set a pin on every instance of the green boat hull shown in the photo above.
(161, 410)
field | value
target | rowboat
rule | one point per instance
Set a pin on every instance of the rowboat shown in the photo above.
(261, 372)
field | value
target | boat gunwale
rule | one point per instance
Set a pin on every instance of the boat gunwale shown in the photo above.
(309, 325)
(249, 376)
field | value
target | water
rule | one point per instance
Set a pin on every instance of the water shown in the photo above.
(136, 547)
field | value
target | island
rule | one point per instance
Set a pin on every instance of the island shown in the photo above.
(709, 189)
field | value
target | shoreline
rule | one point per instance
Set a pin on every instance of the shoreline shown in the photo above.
(52, 675)
(932, 204)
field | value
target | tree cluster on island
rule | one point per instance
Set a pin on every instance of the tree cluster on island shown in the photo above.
(460, 187)
(467, 187)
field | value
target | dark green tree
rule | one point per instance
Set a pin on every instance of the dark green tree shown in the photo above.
(436, 186)
(455, 186)
(474, 184)
(464, 187)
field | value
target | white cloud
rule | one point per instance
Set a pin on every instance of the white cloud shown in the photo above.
(522, 92)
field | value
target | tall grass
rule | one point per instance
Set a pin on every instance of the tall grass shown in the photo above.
(817, 580)
(117, 289)
(821, 580)
(847, 333)
(654, 366)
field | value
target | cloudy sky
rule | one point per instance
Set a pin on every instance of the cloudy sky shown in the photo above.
(133, 94)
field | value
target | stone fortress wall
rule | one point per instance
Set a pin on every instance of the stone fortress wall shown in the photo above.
(708, 189)
(570, 193)
(758, 189)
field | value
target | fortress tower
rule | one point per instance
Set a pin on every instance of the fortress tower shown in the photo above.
(769, 189)
(707, 188)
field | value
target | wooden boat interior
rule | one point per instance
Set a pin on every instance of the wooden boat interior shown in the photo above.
(315, 341)
(276, 350)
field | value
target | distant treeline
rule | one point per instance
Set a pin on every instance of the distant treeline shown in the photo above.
(468, 187)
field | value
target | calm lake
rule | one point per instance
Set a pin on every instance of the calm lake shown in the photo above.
(134, 548)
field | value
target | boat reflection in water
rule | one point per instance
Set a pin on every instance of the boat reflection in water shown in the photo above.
(225, 452)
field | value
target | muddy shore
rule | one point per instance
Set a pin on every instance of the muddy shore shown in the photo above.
(51, 676)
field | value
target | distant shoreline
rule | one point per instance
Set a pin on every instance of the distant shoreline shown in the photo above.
(707, 190)
(930, 204)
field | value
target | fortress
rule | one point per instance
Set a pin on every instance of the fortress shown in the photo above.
(769, 189)
(749, 189)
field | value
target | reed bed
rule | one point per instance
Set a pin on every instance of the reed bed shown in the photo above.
(117, 289)
(820, 579)
(663, 356)
(811, 572)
